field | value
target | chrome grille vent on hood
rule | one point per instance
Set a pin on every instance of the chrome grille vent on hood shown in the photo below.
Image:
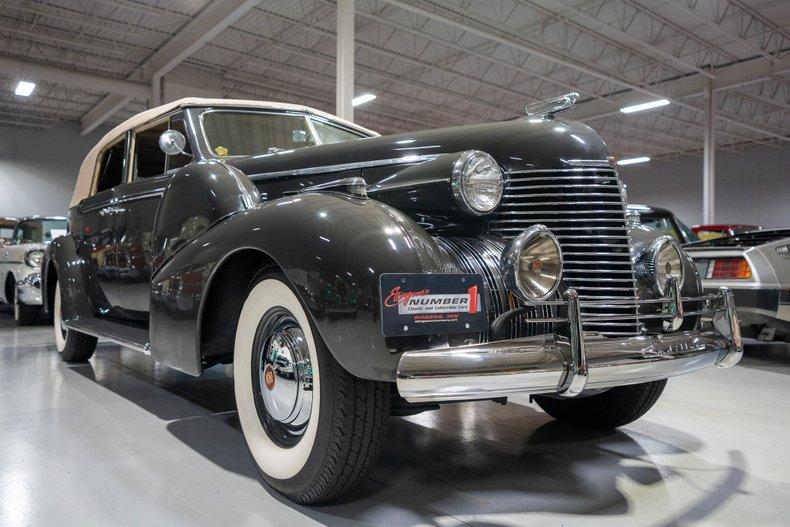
(583, 207)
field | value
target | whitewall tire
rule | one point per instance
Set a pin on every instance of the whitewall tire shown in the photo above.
(311, 428)
(72, 346)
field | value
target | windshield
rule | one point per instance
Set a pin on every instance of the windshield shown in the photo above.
(690, 236)
(250, 133)
(662, 225)
(39, 231)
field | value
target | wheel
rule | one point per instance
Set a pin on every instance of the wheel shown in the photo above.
(615, 407)
(24, 315)
(312, 429)
(73, 346)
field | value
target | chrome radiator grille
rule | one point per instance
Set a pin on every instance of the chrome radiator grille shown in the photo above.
(583, 207)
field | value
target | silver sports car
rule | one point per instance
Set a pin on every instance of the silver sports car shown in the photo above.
(756, 266)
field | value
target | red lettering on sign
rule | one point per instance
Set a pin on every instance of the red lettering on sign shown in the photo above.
(472, 299)
(397, 296)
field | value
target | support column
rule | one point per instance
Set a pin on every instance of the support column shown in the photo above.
(709, 157)
(156, 91)
(344, 89)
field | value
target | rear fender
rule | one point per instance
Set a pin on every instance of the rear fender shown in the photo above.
(331, 247)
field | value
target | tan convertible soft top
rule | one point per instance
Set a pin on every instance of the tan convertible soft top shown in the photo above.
(85, 177)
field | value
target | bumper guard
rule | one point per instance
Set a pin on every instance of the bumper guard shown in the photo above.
(566, 366)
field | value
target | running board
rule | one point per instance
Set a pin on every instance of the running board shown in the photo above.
(121, 334)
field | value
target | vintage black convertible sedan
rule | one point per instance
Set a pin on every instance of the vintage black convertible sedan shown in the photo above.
(349, 276)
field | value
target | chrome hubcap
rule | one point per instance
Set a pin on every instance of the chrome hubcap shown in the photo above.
(285, 377)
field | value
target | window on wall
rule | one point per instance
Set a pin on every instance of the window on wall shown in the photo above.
(112, 167)
(177, 161)
(149, 160)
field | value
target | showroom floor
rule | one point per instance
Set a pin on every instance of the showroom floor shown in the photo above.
(119, 441)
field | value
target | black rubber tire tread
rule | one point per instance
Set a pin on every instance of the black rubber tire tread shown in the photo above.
(613, 408)
(361, 413)
(25, 315)
(79, 347)
(350, 436)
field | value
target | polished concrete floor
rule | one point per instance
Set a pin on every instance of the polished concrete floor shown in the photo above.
(119, 441)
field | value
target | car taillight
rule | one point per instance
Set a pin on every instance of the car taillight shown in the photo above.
(731, 269)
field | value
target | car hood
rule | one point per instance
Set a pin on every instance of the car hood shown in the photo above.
(22, 248)
(520, 144)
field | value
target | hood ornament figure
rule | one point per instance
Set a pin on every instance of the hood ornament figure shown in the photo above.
(548, 107)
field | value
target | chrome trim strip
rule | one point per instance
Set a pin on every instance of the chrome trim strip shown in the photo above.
(608, 177)
(144, 348)
(585, 185)
(143, 195)
(603, 163)
(564, 194)
(537, 170)
(346, 166)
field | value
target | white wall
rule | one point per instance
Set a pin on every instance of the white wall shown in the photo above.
(751, 187)
(38, 168)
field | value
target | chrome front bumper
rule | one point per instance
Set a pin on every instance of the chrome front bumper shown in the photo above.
(28, 290)
(552, 364)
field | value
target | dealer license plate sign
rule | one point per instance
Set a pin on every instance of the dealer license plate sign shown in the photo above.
(423, 304)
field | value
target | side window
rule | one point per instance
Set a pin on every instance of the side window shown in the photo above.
(149, 160)
(173, 162)
(112, 167)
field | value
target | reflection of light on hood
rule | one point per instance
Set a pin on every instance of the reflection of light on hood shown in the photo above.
(404, 141)
(579, 139)
(418, 147)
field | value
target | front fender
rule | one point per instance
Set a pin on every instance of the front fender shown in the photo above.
(73, 273)
(331, 247)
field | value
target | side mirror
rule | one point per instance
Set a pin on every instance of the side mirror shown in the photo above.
(172, 142)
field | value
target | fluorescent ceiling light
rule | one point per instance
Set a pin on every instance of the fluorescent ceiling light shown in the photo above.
(362, 99)
(633, 160)
(25, 88)
(645, 106)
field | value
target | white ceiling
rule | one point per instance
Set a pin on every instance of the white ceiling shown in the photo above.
(436, 63)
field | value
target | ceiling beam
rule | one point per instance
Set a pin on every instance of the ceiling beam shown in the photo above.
(723, 29)
(515, 42)
(83, 80)
(619, 35)
(728, 78)
(212, 20)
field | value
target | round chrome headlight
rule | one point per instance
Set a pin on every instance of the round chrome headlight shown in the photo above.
(660, 260)
(532, 264)
(34, 257)
(478, 182)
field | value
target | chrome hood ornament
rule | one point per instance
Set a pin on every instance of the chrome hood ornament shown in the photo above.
(548, 107)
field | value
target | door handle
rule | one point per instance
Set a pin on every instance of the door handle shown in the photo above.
(106, 211)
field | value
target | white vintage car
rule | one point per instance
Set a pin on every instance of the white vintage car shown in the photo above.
(20, 264)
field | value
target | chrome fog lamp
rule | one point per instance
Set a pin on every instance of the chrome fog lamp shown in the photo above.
(658, 261)
(532, 264)
(478, 182)
(34, 257)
